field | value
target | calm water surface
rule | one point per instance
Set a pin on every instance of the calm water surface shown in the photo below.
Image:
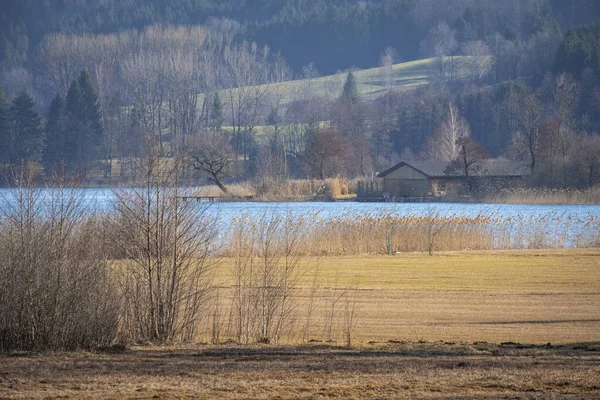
(570, 225)
(102, 200)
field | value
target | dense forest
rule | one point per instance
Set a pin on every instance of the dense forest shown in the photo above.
(87, 85)
(334, 35)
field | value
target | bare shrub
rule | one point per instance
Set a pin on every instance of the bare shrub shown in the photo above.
(267, 267)
(57, 291)
(167, 277)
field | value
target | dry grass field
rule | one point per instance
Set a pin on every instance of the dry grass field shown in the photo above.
(495, 324)
(528, 296)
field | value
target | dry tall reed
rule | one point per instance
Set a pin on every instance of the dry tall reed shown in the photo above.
(545, 196)
(375, 233)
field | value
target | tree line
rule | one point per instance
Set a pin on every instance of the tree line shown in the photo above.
(202, 92)
(71, 137)
(335, 35)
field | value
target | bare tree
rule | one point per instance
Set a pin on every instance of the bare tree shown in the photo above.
(529, 116)
(443, 144)
(267, 268)
(212, 153)
(588, 156)
(248, 74)
(324, 153)
(57, 285)
(386, 64)
(440, 44)
(60, 59)
(168, 243)
(566, 96)
(469, 159)
(480, 61)
(145, 92)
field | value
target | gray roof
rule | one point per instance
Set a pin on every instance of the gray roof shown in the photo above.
(441, 169)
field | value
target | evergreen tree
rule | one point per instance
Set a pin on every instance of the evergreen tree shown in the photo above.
(55, 138)
(216, 113)
(4, 129)
(26, 136)
(350, 90)
(91, 109)
(83, 123)
(74, 127)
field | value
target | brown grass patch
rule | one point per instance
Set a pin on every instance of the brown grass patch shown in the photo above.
(401, 370)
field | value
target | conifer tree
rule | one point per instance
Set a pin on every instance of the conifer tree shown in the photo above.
(4, 129)
(26, 139)
(74, 126)
(91, 109)
(84, 123)
(55, 134)
(350, 90)
(216, 113)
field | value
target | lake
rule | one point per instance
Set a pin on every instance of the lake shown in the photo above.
(562, 220)
(102, 200)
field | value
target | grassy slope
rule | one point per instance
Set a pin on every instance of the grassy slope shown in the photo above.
(370, 83)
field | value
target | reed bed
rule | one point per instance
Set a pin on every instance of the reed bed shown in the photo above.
(372, 233)
(545, 196)
(274, 189)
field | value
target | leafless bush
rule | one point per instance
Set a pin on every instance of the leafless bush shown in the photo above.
(56, 284)
(166, 280)
(267, 266)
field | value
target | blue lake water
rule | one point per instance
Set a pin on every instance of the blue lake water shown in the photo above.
(570, 225)
(102, 200)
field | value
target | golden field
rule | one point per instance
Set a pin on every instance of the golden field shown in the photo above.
(485, 324)
(531, 296)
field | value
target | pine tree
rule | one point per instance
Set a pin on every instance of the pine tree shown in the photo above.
(84, 123)
(26, 136)
(91, 108)
(216, 113)
(55, 138)
(74, 126)
(350, 90)
(4, 129)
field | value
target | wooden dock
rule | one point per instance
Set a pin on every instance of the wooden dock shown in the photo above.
(200, 198)
(392, 199)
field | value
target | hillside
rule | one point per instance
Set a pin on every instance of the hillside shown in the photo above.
(370, 82)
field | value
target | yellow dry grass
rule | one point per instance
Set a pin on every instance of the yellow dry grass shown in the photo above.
(531, 296)
(442, 326)
(546, 196)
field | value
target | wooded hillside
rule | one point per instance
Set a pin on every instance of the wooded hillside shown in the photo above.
(248, 90)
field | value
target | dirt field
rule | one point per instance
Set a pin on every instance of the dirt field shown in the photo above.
(404, 370)
(516, 324)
